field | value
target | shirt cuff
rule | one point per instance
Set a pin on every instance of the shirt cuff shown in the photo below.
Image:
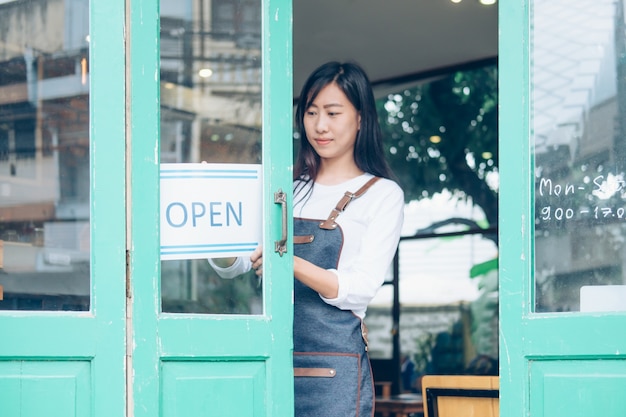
(236, 269)
(342, 292)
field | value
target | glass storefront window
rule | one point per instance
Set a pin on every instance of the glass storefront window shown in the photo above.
(44, 155)
(210, 112)
(579, 130)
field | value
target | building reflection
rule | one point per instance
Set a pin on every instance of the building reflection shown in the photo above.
(210, 85)
(579, 152)
(211, 96)
(44, 155)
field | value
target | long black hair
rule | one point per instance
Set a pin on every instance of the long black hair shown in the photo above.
(368, 148)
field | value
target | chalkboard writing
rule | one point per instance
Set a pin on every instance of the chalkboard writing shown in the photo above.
(596, 198)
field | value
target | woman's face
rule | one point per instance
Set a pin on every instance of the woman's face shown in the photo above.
(331, 124)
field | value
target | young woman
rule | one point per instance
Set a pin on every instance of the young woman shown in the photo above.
(348, 215)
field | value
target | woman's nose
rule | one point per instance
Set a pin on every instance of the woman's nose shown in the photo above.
(321, 125)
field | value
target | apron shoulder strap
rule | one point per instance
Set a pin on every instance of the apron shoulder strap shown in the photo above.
(329, 223)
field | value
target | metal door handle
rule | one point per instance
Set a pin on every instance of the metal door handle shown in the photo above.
(280, 246)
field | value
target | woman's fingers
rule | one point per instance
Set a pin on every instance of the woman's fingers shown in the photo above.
(257, 253)
(257, 260)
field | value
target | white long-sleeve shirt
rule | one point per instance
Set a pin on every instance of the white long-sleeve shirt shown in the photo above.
(371, 226)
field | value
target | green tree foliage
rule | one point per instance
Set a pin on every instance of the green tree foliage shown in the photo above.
(442, 135)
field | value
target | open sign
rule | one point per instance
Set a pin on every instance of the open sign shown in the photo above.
(210, 210)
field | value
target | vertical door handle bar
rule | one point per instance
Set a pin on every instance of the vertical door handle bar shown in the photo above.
(280, 246)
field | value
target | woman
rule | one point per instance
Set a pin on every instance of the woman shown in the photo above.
(348, 216)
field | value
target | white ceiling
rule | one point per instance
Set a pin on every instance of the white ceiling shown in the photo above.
(392, 38)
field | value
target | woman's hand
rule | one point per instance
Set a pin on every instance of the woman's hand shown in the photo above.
(257, 260)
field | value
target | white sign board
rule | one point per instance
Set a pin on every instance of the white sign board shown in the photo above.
(602, 298)
(210, 210)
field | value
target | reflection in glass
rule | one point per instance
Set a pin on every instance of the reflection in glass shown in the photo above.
(579, 110)
(44, 155)
(210, 111)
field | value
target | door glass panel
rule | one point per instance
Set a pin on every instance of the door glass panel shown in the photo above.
(44, 155)
(578, 119)
(210, 68)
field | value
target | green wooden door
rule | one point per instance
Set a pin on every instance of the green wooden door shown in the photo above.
(94, 96)
(62, 213)
(562, 270)
(203, 345)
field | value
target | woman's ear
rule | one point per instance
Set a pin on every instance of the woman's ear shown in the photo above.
(359, 128)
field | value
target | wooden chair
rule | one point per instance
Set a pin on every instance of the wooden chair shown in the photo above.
(460, 396)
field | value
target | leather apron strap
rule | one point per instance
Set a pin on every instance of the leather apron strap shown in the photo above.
(329, 223)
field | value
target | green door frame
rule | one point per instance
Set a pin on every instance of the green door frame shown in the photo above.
(161, 340)
(514, 205)
(58, 363)
(547, 360)
(75, 363)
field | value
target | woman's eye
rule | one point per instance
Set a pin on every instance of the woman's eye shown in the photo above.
(310, 113)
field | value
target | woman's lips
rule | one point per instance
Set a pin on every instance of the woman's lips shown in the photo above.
(322, 142)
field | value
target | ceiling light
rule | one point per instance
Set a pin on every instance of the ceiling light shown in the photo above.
(435, 139)
(205, 72)
(487, 2)
(456, 1)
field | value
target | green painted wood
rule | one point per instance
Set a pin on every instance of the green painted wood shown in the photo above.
(144, 268)
(46, 388)
(252, 336)
(201, 388)
(177, 357)
(551, 364)
(24, 335)
(578, 388)
(62, 364)
(277, 165)
(108, 209)
(514, 206)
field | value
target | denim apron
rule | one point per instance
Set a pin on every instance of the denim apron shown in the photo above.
(332, 371)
